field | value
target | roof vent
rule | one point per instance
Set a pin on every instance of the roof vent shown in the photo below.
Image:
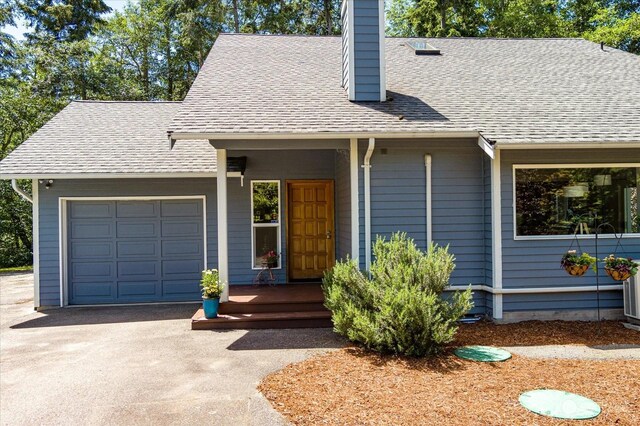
(423, 48)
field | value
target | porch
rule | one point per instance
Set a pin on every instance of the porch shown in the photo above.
(280, 306)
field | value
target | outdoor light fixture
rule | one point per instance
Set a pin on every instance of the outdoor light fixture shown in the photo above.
(47, 183)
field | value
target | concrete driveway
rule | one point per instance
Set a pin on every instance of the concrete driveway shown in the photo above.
(135, 365)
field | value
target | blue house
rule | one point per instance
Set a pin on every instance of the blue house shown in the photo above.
(509, 151)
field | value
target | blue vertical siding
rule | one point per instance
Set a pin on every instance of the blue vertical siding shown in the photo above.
(49, 220)
(535, 263)
(488, 242)
(343, 205)
(398, 199)
(267, 165)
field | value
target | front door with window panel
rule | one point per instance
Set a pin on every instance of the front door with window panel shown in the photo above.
(310, 211)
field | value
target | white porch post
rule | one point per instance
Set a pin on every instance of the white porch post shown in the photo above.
(355, 201)
(496, 234)
(223, 242)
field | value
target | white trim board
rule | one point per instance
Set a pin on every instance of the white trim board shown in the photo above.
(354, 172)
(538, 290)
(35, 241)
(381, 47)
(496, 233)
(62, 230)
(517, 166)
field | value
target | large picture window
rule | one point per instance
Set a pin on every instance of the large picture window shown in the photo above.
(563, 200)
(265, 221)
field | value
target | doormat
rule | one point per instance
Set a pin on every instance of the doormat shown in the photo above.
(559, 404)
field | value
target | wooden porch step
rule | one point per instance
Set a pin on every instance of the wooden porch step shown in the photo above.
(307, 319)
(234, 308)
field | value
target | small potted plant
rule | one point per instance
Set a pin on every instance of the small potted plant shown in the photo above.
(620, 268)
(212, 289)
(270, 259)
(577, 265)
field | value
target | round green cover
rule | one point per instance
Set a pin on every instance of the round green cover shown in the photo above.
(482, 353)
(559, 404)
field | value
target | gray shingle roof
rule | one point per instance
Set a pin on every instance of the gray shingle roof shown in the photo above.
(108, 137)
(513, 90)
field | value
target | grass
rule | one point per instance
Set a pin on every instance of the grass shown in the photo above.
(16, 269)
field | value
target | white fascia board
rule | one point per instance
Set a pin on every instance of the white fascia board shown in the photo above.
(107, 175)
(426, 134)
(567, 145)
(486, 147)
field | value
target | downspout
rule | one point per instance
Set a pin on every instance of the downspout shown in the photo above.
(367, 203)
(20, 191)
(427, 166)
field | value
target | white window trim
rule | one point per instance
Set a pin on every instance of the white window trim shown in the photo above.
(266, 225)
(515, 167)
(62, 234)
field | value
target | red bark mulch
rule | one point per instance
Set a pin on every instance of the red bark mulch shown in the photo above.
(352, 386)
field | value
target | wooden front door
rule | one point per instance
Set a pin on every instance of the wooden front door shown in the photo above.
(310, 228)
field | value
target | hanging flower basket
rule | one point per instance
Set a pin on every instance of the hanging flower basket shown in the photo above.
(620, 268)
(618, 275)
(576, 270)
(575, 265)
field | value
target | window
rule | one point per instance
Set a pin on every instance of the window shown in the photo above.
(563, 200)
(265, 223)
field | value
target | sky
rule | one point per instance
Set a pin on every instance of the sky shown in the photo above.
(20, 28)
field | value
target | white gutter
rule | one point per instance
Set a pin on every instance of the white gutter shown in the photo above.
(106, 175)
(427, 166)
(444, 134)
(367, 203)
(23, 194)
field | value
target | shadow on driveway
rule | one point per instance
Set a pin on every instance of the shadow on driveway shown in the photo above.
(297, 338)
(109, 315)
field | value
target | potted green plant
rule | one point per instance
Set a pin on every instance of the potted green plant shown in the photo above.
(620, 268)
(212, 289)
(577, 265)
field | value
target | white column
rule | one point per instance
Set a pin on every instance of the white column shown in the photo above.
(223, 241)
(36, 242)
(496, 234)
(355, 201)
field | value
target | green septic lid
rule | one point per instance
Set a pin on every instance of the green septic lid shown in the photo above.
(482, 353)
(559, 404)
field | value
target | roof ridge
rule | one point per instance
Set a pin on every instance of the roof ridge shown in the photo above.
(281, 35)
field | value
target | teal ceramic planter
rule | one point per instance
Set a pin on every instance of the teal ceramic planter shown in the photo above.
(210, 307)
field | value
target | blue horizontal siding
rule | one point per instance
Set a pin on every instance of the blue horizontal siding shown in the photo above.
(536, 263)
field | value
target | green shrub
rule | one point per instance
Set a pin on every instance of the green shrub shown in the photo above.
(401, 308)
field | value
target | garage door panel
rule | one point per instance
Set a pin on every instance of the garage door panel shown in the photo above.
(182, 248)
(137, 248)
(93, 289)
(183, 267)
(137, 229)
(139, 289)
(91, 249)
(139, 268)
(181, 208)
(126, 209)
(184, 288)
(181, 228)
(92, 270)
(91, 209)
(132, 251)
(91, 229)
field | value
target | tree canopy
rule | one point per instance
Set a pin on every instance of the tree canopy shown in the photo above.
(153, 50)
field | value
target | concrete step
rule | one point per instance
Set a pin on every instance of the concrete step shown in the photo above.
(304, 319)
